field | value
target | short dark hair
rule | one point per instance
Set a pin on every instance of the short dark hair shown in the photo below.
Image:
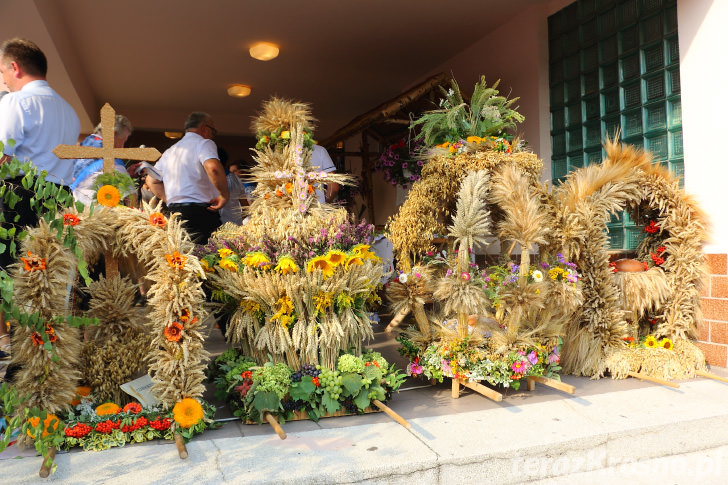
(26, 54)
(194, 120)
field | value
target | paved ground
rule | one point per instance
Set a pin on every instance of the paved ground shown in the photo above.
(609, 432)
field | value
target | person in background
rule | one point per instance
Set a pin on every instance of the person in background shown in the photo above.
(37, 119)
(231, 211)
(86, 170)
(321, 162)
(193, 179)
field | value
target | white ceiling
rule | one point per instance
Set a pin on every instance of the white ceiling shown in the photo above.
(158, 60)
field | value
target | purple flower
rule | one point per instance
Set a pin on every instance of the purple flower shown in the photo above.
(420, 163)
(404, 164)
(533, 358)
(448, 273)
(544, 265)
(553, 358)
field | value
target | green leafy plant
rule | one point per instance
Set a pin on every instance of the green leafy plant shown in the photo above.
(487, 114)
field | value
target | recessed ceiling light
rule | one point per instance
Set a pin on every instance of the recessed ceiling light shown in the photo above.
(173, 135)
(238, 90)
(264, 51)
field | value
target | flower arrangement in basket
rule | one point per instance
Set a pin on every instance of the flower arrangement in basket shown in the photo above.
(401, 163)
(310, 391)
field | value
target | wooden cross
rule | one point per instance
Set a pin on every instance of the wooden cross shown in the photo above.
(108, 153)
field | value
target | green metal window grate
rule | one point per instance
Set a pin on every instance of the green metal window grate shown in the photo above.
(614, 64)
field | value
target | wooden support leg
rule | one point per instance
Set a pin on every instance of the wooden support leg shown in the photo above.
(481, 389)
(274, 423)
(45, 468)
(703, 373)
(656, 380)
(181, 448)
(561, 386)
(455, 388)
(391, 413)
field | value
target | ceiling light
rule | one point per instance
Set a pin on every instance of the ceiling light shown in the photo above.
(264, 51)
(173, 135)
(238, 90)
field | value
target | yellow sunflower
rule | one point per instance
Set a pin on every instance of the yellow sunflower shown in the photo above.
(360, 249)
(108, 196)
(650, 342)
(286, 265)
(336, 257)
(256, 259)
(188, 412)
(228, 264)
(353, 261)
(474, 139)
(666, 343)
(322, 263)
(205, 266)
(225, 252)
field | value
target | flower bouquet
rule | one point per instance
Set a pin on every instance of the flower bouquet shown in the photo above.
(308, 392)
(401, 164)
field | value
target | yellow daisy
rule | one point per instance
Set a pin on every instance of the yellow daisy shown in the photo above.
(650, 342)
(666, 343)
(256, 259)
(228, 264)
(336, 257)
(322, 263)
(225, 252)
(286, 265)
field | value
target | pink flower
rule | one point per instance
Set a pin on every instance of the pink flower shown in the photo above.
(414, 369)
(519, 366)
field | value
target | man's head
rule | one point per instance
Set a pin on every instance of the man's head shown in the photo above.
(202, 124)
(21, 61)
(122, 130)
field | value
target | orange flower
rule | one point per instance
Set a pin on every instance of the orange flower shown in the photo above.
(173, 331)
(176, 260)
(289, 187)
(133, 408)
(70, 220)
(279, 193)
(81, 391)
(51, 421)
(37, 339)
(108, 196)
(188, 412)
(311, 189)
(186, 317)
(34, 263)
(266, 196)
(107, 408)
(157, 219)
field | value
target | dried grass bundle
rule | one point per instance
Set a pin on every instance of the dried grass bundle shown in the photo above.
(279, 112)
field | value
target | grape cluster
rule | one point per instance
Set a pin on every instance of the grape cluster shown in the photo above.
(331, 381)
(296, 405)
(306, 370)
(350, 407)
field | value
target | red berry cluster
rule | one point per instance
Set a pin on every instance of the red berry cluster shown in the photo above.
(374, 363)
(161, 424)
(78, 430)
(139, 423)
(107, 426)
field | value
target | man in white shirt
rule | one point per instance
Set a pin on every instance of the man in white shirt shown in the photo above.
(37, 119)
(321, 162)
(193, 179)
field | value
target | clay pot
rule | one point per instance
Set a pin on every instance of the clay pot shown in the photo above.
(629, 265)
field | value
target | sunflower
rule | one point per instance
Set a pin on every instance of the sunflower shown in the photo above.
(225, 252)
(228, 264)
(133, 408)
(286, 265)
(206, 266)
(256, 259)
(322, 263)
(50, 422)
(336, 257)
(70, 220)
(107, 408)
(157, 219)
(108, 196)
(353, 261)
(173, 331)
(176, 260)
(188, 412)
(650, 342)
(666, 343)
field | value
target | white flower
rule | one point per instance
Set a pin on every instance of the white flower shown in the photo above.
(537, 276)
(403, 278)
(278, 174)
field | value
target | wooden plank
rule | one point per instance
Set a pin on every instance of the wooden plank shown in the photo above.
(481, 389)
(45, 468)
(703, 373)
(275, 424)
(391, 413)
(656, 380)
(181, 448)
(301, 415)
(561, 386)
